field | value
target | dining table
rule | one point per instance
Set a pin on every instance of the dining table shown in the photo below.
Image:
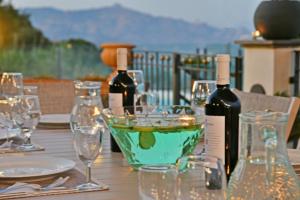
(109, 168)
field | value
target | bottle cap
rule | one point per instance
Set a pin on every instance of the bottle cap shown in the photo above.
(223, 69)
(121, 59)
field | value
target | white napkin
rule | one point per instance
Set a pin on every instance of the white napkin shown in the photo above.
(6, 145)
(18, 187)
(28, 187)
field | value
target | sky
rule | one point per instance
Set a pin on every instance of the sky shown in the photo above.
(220, 13)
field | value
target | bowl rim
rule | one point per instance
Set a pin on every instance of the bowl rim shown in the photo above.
(163, 110)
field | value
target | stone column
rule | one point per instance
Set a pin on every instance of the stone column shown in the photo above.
(268, 63)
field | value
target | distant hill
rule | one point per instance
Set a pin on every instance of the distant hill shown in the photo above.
(117, 23)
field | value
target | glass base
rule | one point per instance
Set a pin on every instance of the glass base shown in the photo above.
(27, 147)
(88, 186)
(6, 145)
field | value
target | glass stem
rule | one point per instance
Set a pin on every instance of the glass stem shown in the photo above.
(27, 140)
(27, 136)
(88, 174)
(7, 135)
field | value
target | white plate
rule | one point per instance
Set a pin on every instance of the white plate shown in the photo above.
(3, 134)
(33, 166)
(55, 119)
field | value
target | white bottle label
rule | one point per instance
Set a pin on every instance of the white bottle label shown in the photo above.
(115, 102)
(215, 136)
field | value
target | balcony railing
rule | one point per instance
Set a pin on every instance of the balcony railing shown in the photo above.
(171, 75)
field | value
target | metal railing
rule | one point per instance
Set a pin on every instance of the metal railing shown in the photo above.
(171, 75)
(295, 79)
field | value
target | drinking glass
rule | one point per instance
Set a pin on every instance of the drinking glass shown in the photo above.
(201, 177)
(200, 92)
(6, 121)
(30, 90)
(87, 144)
(26, 114)
(11, 84)
(157, 182)
(138, 79)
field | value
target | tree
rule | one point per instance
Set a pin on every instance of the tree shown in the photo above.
(16, 29)
(80, 44)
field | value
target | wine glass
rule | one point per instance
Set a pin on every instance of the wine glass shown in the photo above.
(86, 112)
(201, 177)
(87, 144)
(138, 79)
(11, 84)
(26, 114)
(148, 99)
(200, 92)
(87, 88)
(30, 90)
(6, 121)
(157, 182)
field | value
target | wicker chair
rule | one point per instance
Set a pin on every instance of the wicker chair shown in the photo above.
(254, 101)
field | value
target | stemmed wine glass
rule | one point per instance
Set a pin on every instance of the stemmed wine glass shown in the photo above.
(88, 144)
(30, 90)
(88, 128)
(200, 92)
(6, 121)
(201, 177)
(26, 114)
(147, 102)
(11, 84)
(138, 79)
(148, 99)
(86, 112)
(87, 88)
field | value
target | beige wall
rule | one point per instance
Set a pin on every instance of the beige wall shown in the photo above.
(270, 67)
(283, 69)
(258, 68)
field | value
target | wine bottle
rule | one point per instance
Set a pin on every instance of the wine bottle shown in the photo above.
(121, 91)
(222, 118)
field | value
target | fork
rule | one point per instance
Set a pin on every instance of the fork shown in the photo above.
(52, 186)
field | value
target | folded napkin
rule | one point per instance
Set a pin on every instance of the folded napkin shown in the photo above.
(19, 187)
(29, 187)
(6, 144)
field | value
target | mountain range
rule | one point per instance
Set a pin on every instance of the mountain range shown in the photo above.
(119, 24)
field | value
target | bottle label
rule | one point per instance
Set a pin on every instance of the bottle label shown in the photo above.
(215, 136)
(115, 102)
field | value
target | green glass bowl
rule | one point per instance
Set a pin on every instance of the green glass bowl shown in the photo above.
(154, 134)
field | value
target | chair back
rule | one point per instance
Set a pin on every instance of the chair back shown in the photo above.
(56, 96)
(254, 101)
